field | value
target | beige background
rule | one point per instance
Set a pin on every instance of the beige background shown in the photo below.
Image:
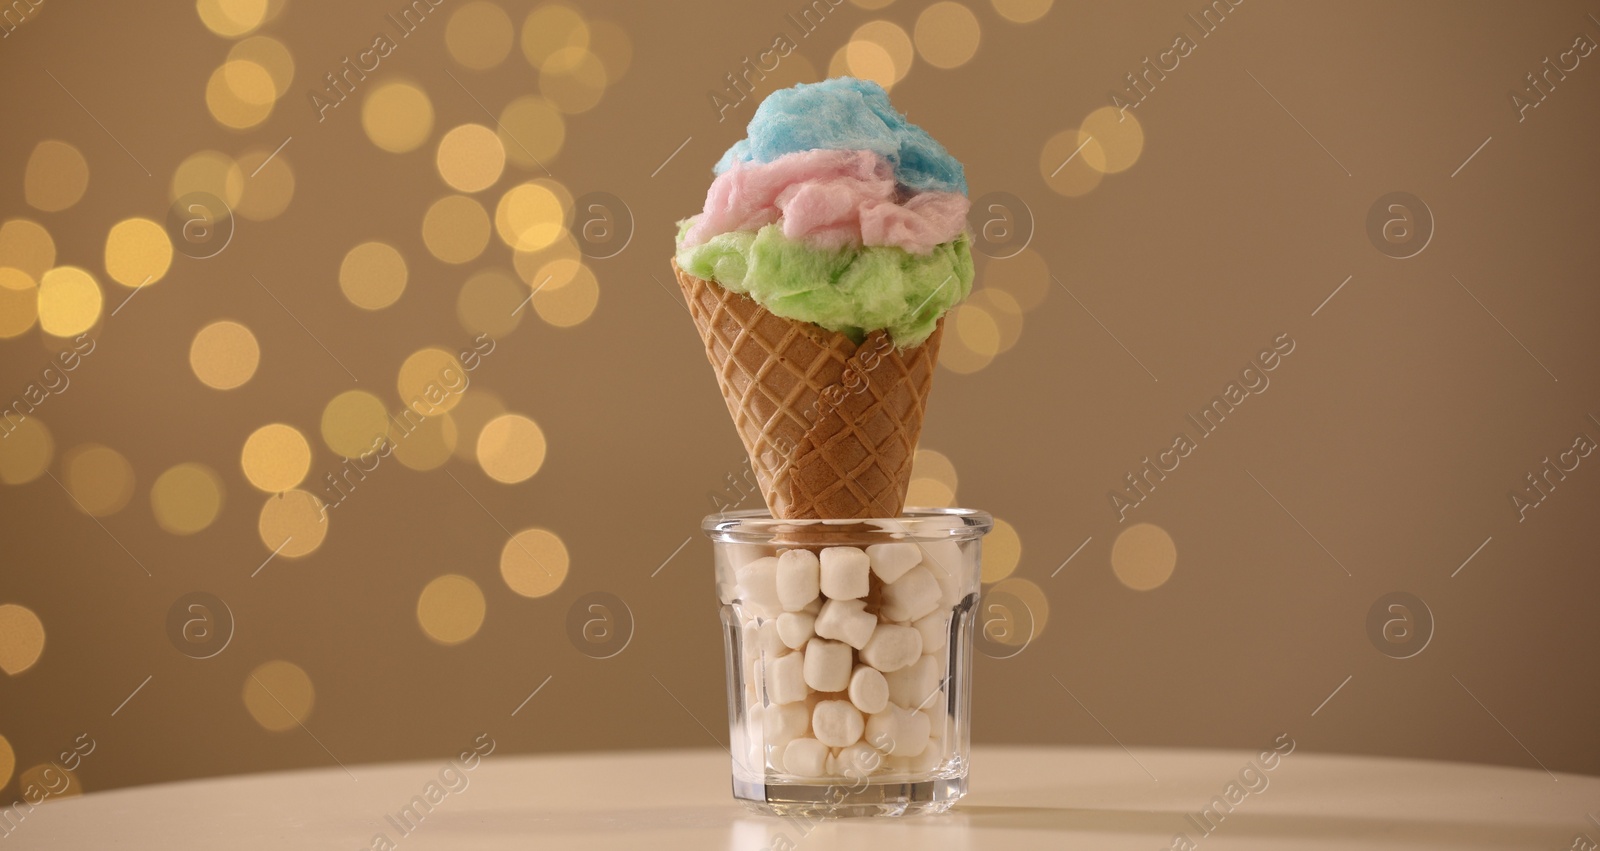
(1415, 400)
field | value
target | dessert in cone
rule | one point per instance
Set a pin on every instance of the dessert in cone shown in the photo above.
(818, 277)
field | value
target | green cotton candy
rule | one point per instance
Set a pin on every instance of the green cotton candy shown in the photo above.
(852, 290)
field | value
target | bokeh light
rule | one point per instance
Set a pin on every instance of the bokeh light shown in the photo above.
(263, 182)
(211, 172)
(534, 562)
(971, 339)
(98, 477)
(1002, 551)
(881, 51)
(490, 302)
(1144, 556)
(271, 55)
(138, 252)
(224, 355)
(26, 451)
(373, 275)
(431, 381)
(56, 177)
(550, 29)
(1065, 169)
(240, 94)
(1113, 139)
(530, 216)
(279, 695)
(426, 445)
(471, 157)
(276, 457)
(450, 609)
(612, 44)
(574, 79)
(354, 423)
(455, 229)
(1022, 11)
(532, 131)
(232, 18)
(26, 245)
(1025, 276)
(1034, 611)
(19, 302)
(21, 640)
(293, 524)
(186, 498)
(69, 301)
(397, 116)
(933, 480)
(8, 762)
(511, 448)
(49, 780)
(947, 34)
(567, 294)
(479, 35)
(872, 4)
(471, 415)
(1003, 308)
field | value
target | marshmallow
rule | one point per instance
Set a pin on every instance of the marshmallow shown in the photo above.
(847, 621)
(922, 763)
(844, 573)
(758, 587)
(813, 607)
(784, 722)
(912, 686)
(805, 757)
(935, 629)
(796, 628)
(827, 665)
(937, 715)
(797, 579)
(898, 732)
(786, 681)
(891, 561)
(947, 564)
(857, 761)
(912, 596)
(869, 691)
(837, 723)
(771, 642)
(892, 647)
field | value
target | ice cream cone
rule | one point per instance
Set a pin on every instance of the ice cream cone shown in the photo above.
(831, 426)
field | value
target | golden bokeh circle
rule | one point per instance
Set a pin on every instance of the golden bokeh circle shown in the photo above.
(1024, 275)
(479, 35)
(471, 157)
(428, 444)
(929, 493)
(21, 641)
(1114, 139)
(26, 245)
(455, 229)
(49, 780)
(279, 695)
(19, 302)
(240, 94)
(355, 423)
(612, 44)
(186, 498)
(271, 55)
(1022, 11)
(1065, 169)
(69, 301)
(1032, 597)
(550, 29)
(892, 43)
(99, 479)
(8, 762)
(224, 355)
(537, 268)
(1006, 312)
(263, 182)
(211, 172)
(534, 562)
(930, 464)
(1143, 556)
(574, 79)
(490, 302)
(232, 18)
(1002, 551)
(977, 330)
(947, 34)
(450, 609)
(872, 5)
(532, 131)
(475, 411)
(56, 177)
(293, 524)
(25, 452)
(570, 296)
(397, 116)
(138, 252)
(276, 458)
(373, 275)
(511, 448)
(530, 216)
(431, 381)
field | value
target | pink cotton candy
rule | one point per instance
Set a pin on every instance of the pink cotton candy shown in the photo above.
(829, 199)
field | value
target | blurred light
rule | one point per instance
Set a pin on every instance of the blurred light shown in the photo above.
(25, 452)
(276, 458)
(271, 55)
(232, 18)
(26, 245)
(479, 35)
(69, 301)
(866, 60)
(928, 464)
(872, 4)
(1002, 551)
(224, 355)
(431, 381)
(551, 28)
(373, 275)
(536, 267)
(534, 562)
(240, 94)
(947, 34)
(455, 229)
(532, 131)
(450, 609)
(1144, 556)
(1025, 276)
(19, 302)
(99, 479)
(138, 252)
(1064, 167)
(211, 172)
(615, 49)
(475, 411)
(1113, 139)
(873, 43)
(490, 302)
(971, 339)
(56, 178)
(292, 524)
(511, 448)
(397, 117)
(279, 695)
(569, 297)
(530, 216)
(1022, 11)
(471, 158)
(21, 644)
(186, 498)
(573, 79)
(1003, 308)
(50, 781)
(929, 493)
(428, 444)
(1032, 598)
(354, 422)
(263, 183)
(8, 762)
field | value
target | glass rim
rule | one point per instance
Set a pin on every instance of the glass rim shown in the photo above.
(915, 523)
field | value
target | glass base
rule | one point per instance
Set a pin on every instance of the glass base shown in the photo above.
(847, 799)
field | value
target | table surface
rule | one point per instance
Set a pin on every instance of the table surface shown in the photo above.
(1034, 797)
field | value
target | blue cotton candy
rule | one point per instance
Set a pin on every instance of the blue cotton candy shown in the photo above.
(846, 114)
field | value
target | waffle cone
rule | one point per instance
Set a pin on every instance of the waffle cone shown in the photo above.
(831, 427)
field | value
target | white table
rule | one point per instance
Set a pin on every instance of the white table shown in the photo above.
(1021, 798)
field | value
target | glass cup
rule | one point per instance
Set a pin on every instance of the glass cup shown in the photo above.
(849, 659)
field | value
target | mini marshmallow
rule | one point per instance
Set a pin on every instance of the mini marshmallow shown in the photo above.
(813, 607)
(912, 686)
(805, 757)
(844, 573)
(827, 665)
(891, 561)
(922, 763)
(837, 723)
(892, 647)
(797, 579)
(784, 722)
(935, 710)
(869, 691)
(944, 560)
(771, 642)
(758, 587)
(786, 679)
(796, 628)
(935, 629)
(898, 732)
(847, 621)
(912, 596)
(857, 761)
